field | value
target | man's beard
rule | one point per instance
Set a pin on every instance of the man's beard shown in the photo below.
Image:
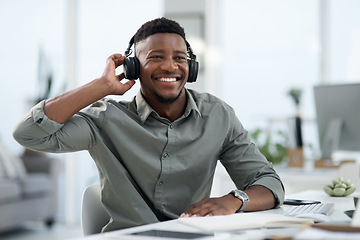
(167, 100)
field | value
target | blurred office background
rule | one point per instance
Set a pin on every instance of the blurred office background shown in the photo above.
(251, 54)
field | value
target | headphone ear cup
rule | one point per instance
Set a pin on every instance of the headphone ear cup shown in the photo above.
(193, 70)
(131, 68)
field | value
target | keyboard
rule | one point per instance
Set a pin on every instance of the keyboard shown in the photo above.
(319, 208)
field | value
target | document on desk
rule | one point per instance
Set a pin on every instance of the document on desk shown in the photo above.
(240, 221)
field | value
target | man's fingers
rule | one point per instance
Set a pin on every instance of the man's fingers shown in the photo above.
(117, 58)
(209, 207)
(127, 86)
(130, 83)
(121, 76)
(201, 208)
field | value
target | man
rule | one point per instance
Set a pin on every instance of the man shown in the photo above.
(156, 154)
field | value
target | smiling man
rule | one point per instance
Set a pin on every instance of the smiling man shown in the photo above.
(156, 155)
(163, 73)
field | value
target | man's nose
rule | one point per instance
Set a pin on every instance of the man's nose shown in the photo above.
(169, 65)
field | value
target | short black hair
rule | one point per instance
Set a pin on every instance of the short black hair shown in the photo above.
(158, 25)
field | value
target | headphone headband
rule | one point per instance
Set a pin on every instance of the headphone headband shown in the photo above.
(128, 50)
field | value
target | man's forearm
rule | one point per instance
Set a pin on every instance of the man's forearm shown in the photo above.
(260, 197)
(64, 106)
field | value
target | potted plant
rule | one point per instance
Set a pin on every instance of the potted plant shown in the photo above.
(295, 94)
(295, 150)
(275, 151)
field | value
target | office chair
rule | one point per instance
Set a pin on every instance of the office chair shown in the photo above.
(93, 214)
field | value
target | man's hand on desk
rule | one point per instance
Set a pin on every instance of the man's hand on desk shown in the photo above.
(260, 197)
(224, 205)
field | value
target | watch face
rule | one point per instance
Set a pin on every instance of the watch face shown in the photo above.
(244, 195)
(241, 194)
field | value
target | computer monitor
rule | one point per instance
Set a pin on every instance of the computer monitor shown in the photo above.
(338, 117)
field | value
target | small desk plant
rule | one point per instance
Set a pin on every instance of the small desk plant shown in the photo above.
(340, 188)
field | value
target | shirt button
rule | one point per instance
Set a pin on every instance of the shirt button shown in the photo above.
(171, 126)
(166, 155)
(161, 183)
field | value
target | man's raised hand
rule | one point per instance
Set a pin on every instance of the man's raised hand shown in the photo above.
(114, 81)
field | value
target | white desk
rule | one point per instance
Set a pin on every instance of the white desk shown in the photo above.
(341, 204)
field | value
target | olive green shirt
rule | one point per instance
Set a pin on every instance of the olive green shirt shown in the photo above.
(152, 169)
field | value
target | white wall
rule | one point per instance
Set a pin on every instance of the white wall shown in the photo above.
(344, 39)
(25, 26)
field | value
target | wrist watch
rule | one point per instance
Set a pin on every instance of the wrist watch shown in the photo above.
(243, 197)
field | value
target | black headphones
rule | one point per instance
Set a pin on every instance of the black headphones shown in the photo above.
(132, 65)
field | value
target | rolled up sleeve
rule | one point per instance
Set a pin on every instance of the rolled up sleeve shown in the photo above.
(36, 131)
(246, 165)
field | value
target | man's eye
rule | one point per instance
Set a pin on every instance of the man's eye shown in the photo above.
(156, 56)
(180, 58)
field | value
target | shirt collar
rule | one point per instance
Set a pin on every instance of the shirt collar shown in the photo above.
(144, 110)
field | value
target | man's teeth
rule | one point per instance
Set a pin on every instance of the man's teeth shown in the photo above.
(168, 79)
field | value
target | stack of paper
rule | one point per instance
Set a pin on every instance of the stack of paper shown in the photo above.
(243, 221)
